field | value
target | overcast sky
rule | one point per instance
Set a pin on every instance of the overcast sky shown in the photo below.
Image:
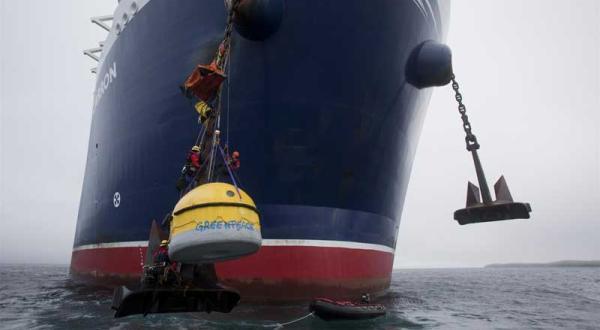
(529, 72)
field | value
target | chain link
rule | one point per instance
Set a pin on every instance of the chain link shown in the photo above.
(470, 138)
(222, 54)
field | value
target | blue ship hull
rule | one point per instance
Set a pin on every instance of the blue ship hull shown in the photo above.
(321, 113)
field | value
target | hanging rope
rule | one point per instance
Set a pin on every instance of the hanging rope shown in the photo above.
(215, 143)
(228, 97)
(203, 130)
(200, 135)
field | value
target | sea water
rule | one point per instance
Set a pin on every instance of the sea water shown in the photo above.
(43, 297)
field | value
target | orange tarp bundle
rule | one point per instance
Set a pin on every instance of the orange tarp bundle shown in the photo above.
(204, 81)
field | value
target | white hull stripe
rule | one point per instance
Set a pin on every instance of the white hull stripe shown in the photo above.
(111, 245)
(327, 243)
(265, 242)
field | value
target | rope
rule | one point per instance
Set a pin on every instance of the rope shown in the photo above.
(212, 156)
(203, 130)
(200, 135)
(281, 325)
(272, 325)
(228, 97)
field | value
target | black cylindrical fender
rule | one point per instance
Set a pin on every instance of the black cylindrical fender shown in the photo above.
(429, 64)
(258, 19)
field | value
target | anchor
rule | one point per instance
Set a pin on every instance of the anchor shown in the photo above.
(503, 208)
(429, 65)
(476, 210)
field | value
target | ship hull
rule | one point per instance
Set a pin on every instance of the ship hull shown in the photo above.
(320, 111)
(275, 273)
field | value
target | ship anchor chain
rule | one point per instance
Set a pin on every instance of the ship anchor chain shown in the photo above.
(476, 210)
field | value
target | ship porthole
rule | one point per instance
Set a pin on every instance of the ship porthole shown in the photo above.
(117, 199)
(134, 8)
(230, 193)
(118, 28)
(125, 19)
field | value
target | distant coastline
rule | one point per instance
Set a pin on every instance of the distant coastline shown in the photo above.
(562, 263)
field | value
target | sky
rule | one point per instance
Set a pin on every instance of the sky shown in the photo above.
(529, 72)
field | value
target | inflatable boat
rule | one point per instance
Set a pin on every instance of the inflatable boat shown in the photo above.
(339, 310)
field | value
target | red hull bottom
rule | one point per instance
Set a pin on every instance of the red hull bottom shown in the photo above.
(275, 273)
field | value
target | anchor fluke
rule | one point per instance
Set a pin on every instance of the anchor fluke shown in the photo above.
(503, 208)
(501, 189)
(473, 195)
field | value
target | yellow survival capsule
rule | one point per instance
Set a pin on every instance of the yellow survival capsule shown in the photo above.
(214, 222)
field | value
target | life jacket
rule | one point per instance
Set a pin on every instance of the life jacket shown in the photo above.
(161, 255)
(235, 163)
(193, 160)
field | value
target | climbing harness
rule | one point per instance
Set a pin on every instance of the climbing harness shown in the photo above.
(503, 208)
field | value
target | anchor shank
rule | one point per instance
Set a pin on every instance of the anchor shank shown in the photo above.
(483, 186)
